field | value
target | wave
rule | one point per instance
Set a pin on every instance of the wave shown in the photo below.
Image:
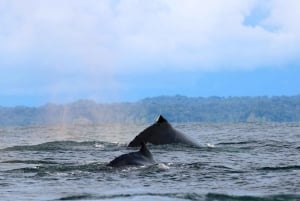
(76, 197)
(61, 168)
(280, 197)
(95, 167)
(281, 168)
(64, 145)
(30, 161)
(183, 196)
(269, 145)
(239, 143)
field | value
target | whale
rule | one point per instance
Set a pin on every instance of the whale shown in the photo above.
(140, 158)
(162, 132)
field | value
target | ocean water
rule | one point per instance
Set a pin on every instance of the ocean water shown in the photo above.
(239, 161)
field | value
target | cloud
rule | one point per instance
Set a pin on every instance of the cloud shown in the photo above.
(122, 34)
(210, 35)
(97, 40)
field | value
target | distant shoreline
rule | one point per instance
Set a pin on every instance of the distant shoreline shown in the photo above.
(175, 108)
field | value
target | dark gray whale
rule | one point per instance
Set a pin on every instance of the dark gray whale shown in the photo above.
(161, 132)
(139, 158)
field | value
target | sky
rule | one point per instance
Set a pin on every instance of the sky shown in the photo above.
(61, 51)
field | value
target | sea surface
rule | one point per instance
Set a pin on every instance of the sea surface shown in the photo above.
(238, 161)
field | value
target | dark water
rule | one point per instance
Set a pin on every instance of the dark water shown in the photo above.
(245, 161)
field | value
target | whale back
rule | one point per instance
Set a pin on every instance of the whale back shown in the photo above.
(145, 151)
(161, 132)
(157, 133)
(141, 157)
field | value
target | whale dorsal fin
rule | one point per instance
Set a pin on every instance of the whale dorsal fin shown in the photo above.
(144, 150)
(161, 119)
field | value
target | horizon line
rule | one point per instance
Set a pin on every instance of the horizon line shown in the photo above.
(141, 99)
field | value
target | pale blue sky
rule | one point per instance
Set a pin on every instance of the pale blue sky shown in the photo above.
(109, 50)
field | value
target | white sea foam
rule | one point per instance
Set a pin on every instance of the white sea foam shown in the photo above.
(210, 145)
(163, 166)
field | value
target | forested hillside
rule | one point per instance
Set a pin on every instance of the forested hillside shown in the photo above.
(175, 108)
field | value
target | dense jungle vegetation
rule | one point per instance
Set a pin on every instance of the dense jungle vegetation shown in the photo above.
(174, 108)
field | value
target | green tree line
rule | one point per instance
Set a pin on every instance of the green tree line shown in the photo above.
(174, 108)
